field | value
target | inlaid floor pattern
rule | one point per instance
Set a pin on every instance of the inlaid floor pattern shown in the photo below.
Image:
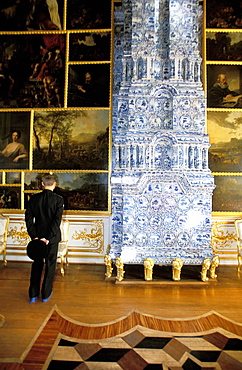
(137, 341)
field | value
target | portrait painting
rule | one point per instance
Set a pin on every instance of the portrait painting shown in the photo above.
(71, 140)
(225, 136)
(14, 140)
(29, 15)
(224, 86)
(13, 178)
(223, 14)
(90, 46)
(89, 85)
(32, 71)
(88, 14)
(80, 191)
(10, 197)
(224, 46)
(227, 196)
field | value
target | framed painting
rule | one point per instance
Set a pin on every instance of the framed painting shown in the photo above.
(90, 46)
(223, 14)
(32, 181)
(225, 132)
(13, 178)
(71, 140)
(88, 14)
(227, 196)
(89, 85)
(31, 15)
(10, 197)
(80, 191)
(224, 86)
(224, 46)
(32, 75)
(14, 144)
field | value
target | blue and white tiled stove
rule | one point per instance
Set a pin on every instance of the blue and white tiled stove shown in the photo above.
(161, 184)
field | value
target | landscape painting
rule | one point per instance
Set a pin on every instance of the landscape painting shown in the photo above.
(224, 46)
(225, 135)
(227, 196)
(80, 191)
(13, 178)
(71, 140)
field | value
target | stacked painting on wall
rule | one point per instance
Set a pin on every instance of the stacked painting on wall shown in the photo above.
(55, 101)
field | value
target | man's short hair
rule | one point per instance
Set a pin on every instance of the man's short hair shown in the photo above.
(49, 179)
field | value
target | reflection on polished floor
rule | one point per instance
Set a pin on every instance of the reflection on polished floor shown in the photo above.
(187, 324)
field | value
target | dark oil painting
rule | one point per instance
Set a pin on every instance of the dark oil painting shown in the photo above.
(227, 196)
(32, 71)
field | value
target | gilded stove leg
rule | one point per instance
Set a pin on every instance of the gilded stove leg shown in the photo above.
(108, 263)
(148, 268)
(120, 269)
(214, 264)
(205, 268)
(176, 269)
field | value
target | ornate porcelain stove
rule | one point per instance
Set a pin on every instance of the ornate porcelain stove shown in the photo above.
(161, 184)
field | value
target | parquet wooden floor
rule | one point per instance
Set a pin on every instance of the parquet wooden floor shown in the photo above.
(87, 311)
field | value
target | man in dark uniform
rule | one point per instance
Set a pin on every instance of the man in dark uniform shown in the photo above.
(43, 217)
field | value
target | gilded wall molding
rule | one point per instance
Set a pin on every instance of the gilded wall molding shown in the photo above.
(20, 236)
(93, 238)
(221, 239)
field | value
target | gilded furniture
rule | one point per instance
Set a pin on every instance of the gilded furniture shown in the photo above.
(63, 245)
(4, 222)
(238, 228)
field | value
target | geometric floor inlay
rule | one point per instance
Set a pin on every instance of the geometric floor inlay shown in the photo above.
(149, 349)
(136, 341)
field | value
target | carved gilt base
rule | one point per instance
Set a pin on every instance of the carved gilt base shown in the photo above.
(208, 270)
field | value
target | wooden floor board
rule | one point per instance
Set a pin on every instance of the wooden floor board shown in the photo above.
(85, 296)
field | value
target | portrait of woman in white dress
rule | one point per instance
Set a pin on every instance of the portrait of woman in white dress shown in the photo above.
(14, 155)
